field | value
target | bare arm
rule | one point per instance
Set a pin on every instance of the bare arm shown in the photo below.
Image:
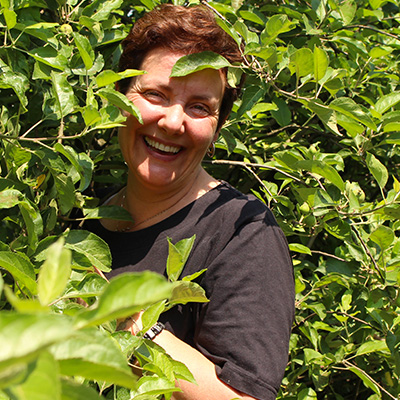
(208, 387)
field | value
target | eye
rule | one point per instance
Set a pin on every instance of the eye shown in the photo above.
(153, 95)
(200, 110)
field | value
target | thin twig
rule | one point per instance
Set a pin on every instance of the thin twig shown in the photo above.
(350, 365)
(366, 249)
(244, 165)
(328, 255)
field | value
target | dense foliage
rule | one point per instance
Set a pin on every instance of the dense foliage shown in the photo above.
(315, 136)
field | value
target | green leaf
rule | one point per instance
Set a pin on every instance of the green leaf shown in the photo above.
(74, 391)
(302, 62)
(251, 95)
(49, 56)
(23, 337)
(63, 94)
(126, 295)
(107, 77)
(349, 107)
(185, 292)
(383, 236)
(108, 212)
(377, 169)
(92, 354)
(10, 198)
(366, 379)
(198, 61)
(373, 346)
(177, 256)
(91, 285)
(323, 169)
(91, 246)
(321, 63)
(54, 273)
(85, 49)
(119, 100)
(387, 101)
(44, 381)
(299, 248)
(20, 268)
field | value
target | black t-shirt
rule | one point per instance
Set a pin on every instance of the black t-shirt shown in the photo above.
(245, 328)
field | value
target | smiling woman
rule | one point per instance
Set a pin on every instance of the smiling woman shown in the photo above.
(236, 345)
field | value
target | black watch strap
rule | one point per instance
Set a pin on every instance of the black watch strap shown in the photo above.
(155, 330)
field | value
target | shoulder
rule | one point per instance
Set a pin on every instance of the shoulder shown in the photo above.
(233, 205)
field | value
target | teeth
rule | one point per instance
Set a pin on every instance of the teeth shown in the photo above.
(160, 146)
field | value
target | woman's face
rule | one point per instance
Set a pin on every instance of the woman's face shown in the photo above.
(180, 117)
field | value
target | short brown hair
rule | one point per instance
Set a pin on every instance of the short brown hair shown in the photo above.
(182, 30)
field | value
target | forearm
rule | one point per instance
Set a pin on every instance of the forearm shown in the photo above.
(208, 387)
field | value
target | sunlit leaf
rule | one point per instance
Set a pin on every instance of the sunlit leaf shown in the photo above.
(198, 61)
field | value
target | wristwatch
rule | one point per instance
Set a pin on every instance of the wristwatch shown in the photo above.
(155, 330)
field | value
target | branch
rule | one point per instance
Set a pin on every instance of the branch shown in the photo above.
(246, 165)
(350, 365)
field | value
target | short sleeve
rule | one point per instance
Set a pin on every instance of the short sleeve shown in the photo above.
(245, 328)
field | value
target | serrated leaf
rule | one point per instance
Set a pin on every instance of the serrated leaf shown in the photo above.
(108, 212)
(350, 108)
(54, 273)
(377, 169)
(63, 94)
(90, 285)
(198, 61)
(20, 268)
(126, 295)
(43, 330)
(75, 391)
(368, 382)
(186, 292)
(85, 49)
(120, 100)
(177, 256)
(91, 246)
(251, 95)
(323, 169)
(92, 354)
(44, 381)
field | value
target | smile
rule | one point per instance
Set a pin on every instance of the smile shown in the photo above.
(159, 146)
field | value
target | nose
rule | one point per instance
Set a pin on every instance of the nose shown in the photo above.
(172, 119)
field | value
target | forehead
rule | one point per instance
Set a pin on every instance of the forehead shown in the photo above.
(159, 62)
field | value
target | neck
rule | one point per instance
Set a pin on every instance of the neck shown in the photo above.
(149, 206)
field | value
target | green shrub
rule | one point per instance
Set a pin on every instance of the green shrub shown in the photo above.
(315, 136)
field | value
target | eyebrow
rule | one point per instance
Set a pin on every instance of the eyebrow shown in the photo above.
(163, 86)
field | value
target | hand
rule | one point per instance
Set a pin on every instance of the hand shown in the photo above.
(133, 324)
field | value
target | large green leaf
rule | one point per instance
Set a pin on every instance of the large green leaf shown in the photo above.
(91, 246)
(323, 169)
(119, 100)
(126, 295)
(377, 169)
(196, 62)
(43, 383)
(349, 107)
(85, 49)
(54, 273)
(63, 94)
(92, 354)
(386, 102)
(23, 337)
(20, 268)
(302, 62)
